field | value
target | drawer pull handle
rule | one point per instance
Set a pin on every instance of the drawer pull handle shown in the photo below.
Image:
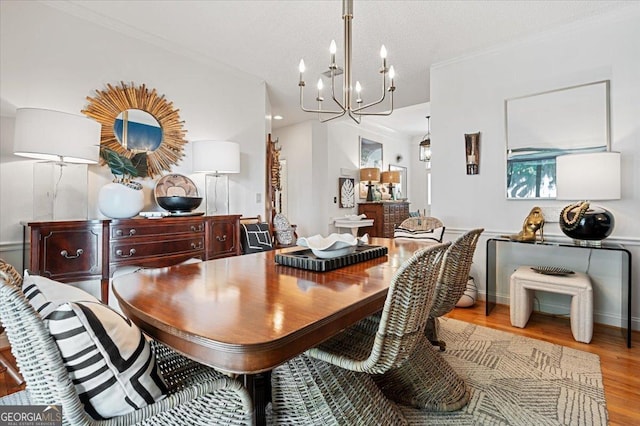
(131, 253)
(132, 232)
(221, 239)
(196, 228)
(196, 246)
(66, 254)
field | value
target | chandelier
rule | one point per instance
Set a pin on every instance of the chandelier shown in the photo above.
(425, 145)
(353, 108)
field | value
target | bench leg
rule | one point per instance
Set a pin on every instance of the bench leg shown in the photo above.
(521, 303)
(582, 316)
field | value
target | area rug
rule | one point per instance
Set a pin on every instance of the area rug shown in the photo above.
(517, 380)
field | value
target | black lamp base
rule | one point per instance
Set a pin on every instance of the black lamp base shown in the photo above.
(370, 192)
(587, 225)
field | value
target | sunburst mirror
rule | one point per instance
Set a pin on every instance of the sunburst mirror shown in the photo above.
(137, 122)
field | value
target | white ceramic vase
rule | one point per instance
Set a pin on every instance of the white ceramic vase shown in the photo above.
(119, 201)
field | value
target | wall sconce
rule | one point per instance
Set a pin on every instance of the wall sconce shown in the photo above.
(216, 159)
(68, 143)
(371, 174)
(472, 148)
(582, 178)
(390, 177)
(425, 145)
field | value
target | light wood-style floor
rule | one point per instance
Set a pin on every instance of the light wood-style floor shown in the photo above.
(620, 365)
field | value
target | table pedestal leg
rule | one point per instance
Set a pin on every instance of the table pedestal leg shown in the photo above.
(259, 387)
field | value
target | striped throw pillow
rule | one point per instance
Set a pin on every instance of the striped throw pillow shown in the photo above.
(435, 234)
(108, 359)
(46, 295)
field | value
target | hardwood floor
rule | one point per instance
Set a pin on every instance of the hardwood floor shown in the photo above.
(620, 365)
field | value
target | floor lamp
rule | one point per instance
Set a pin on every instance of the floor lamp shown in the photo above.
(216, 159)
(68, 143)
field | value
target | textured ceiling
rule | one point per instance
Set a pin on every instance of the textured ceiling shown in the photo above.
(267, 38)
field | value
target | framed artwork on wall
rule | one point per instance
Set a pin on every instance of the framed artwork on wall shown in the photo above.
(400, 188)
(370, 156)
(347, 193)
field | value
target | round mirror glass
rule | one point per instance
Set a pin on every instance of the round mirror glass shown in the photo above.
(137, 131)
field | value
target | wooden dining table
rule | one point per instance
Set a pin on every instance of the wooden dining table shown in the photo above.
(248, 314)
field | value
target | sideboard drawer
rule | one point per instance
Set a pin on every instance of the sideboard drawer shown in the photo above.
(127, 251)
(124, 229)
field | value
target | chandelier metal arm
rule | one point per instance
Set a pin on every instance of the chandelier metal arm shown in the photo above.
(346, 107)
(320, 111)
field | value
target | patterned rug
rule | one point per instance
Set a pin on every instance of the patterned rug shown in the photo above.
(516, 380)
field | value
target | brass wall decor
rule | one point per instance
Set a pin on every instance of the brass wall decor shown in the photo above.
(108, 106)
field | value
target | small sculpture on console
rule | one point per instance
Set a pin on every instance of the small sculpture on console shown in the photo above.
(533, 223)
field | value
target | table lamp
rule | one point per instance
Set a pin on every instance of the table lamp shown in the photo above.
(69, 143)
(371, 174)
(583, 178)
(390, 177)
(216, 159)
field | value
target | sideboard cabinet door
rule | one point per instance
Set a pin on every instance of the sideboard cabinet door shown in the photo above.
(67, 251)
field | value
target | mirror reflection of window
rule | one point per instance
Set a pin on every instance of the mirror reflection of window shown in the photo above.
(138, 131)
(543, 126)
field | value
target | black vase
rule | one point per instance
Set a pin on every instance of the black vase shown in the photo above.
(596, 224)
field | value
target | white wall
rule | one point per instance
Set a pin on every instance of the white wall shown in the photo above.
(316, 153)
(53, 60)
(468, 95)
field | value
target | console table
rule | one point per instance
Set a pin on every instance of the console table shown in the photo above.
(626, 314)
(76, 250)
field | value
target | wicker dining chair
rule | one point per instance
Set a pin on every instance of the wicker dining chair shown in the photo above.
(452, 281)
(12, 277)
(332, 384)
(421, 223)
(376, 346)
(198, 395)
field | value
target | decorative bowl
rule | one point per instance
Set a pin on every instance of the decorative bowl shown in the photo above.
(332, 246)
(178, 204)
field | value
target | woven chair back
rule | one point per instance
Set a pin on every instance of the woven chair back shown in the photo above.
(407, 307)
(454, 273)
(35, 351)
(421, 223)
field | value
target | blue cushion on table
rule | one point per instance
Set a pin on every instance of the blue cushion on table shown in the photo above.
(256, 238)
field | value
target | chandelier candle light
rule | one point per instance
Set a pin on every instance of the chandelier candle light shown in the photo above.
(347, 105)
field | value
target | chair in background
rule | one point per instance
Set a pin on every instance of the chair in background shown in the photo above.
(324, 384)
(420, 228)
(256, 236)
(452, 281)
(13, 278)
(197, 394)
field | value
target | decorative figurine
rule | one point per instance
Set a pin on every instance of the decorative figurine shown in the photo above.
(533, 223)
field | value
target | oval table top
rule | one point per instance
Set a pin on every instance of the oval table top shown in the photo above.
(247, 314)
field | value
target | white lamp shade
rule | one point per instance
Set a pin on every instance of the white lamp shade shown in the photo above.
(56, 136)
(593, 176)
(216, 157)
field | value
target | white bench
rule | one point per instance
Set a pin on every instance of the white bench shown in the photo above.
(578, 285)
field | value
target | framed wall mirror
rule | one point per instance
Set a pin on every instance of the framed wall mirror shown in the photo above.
(137, 122)
(400, 188)
(542, 126)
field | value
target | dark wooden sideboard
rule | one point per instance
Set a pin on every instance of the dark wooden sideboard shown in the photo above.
(386, 216)
(77, 250)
